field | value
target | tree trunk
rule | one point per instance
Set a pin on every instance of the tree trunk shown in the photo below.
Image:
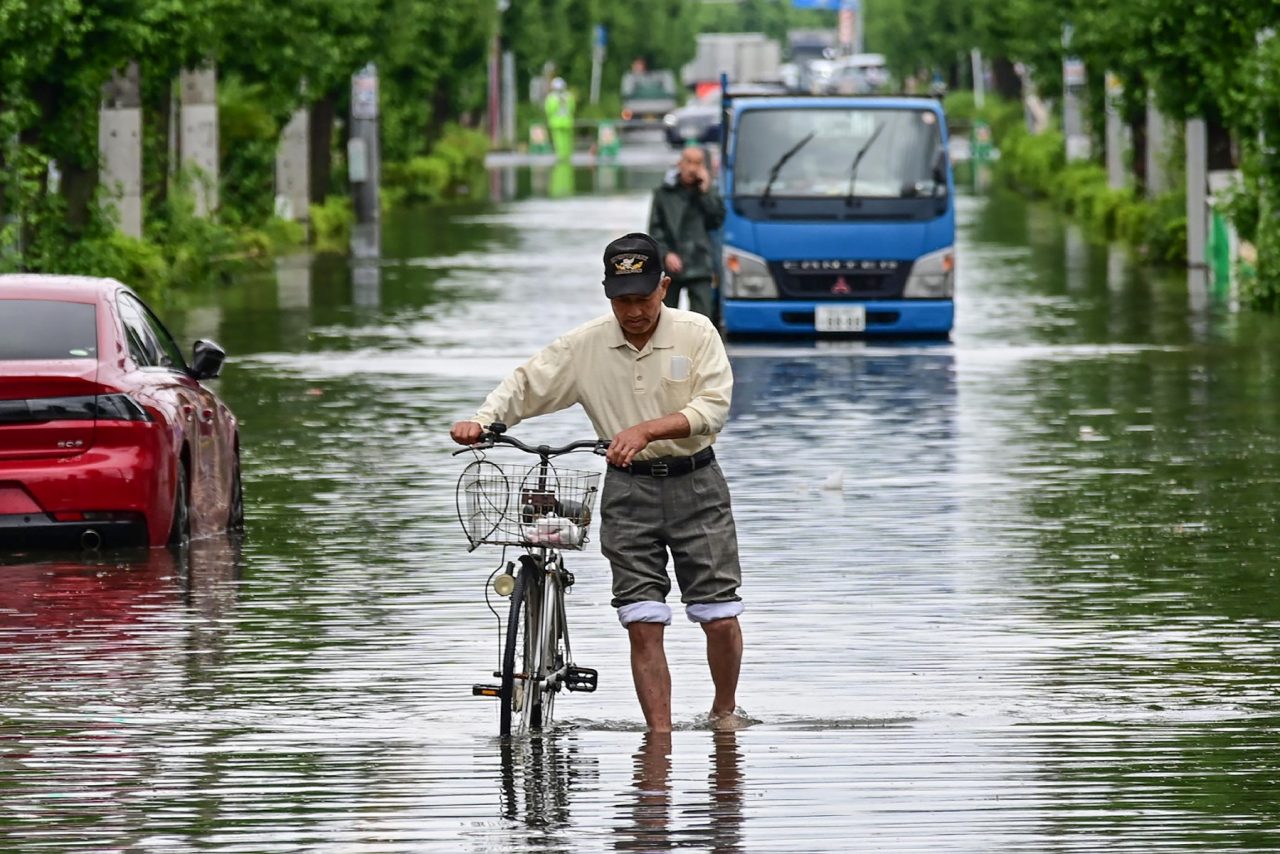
(321, 146)
(79, 183)
(157, 104)
(1222, 153)
(1005, 79)
(439, 112)
(1138, 131)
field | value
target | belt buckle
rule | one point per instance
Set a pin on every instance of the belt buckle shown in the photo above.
(659, 468)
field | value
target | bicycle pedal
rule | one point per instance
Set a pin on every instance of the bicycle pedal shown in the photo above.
(581, 679)
(485, 691)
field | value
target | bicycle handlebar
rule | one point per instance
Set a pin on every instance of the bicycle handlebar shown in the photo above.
(495, 434)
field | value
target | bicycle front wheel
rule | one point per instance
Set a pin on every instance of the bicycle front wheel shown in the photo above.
(515, 690)
(552, 651)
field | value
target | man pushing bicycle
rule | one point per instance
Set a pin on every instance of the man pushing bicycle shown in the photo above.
(656, 381)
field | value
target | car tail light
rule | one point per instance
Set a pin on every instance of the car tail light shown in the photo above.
(99, 407)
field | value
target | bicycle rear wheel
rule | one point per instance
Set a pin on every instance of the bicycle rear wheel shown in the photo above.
(515, 692)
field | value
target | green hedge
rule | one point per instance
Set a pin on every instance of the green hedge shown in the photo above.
(453, 169)
(1036, 166)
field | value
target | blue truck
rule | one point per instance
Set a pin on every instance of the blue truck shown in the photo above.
(840, 217)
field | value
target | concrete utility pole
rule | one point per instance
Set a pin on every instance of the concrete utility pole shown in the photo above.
(199, 134)
(364, 164)
(293, 172)
(979, 78)
(508, 99)
(1197, 192)
(1073, 81)
(1158, 132)
(1116, 142)
(120, 148)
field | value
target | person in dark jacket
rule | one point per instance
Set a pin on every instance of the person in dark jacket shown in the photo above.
(685, 210)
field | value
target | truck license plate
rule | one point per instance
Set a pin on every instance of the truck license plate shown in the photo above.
(851, 318)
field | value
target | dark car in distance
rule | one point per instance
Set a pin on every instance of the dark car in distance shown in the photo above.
(698, 121)
(107, 434)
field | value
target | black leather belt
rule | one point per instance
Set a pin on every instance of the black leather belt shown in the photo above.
(669, 466)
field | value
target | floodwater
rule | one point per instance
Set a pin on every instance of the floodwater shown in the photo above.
(1034, 609)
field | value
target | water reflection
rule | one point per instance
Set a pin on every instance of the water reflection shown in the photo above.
(708, 818)
(540, 776)
(124, 605)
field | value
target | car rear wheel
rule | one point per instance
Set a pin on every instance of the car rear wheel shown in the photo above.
(180, 528)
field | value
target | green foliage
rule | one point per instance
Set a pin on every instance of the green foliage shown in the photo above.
(248, 137)
(137, 263)
(454, 168)
(331, 224)
(1037, 165)
(1262, 290)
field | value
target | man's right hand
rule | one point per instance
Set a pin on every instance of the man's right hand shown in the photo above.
(672, 263)
(466, 432)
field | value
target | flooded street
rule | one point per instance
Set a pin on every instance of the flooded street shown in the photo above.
(1039, 614)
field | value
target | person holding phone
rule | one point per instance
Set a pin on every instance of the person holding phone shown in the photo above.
(684, 212)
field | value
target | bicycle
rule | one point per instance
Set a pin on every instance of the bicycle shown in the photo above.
(545, 510)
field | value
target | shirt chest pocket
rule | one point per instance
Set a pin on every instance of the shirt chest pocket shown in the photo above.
(677, 382)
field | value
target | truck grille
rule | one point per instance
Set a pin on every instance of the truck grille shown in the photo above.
(840, 280)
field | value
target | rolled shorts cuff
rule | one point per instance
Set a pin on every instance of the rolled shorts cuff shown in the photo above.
(645, 612)
(707, 612)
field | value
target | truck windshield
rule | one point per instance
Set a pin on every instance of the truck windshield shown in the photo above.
(897, 147)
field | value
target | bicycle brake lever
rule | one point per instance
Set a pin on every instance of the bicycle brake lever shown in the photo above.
(478, 446)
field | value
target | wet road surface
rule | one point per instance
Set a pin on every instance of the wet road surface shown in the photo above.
(1033, 610)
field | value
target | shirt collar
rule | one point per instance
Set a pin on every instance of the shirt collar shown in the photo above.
(663, 337)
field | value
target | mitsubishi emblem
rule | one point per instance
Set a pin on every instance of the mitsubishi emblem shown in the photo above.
(841, 286)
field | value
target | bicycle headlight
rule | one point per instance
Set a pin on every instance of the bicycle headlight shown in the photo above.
(504, 583)
(746, 276)
(932, 276)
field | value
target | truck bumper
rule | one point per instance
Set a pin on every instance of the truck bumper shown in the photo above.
(794, 317)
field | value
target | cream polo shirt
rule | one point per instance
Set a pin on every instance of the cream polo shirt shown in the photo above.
(683, 368)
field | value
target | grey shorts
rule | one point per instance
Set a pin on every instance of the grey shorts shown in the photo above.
(643, 517)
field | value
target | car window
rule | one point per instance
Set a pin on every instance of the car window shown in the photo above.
(48, 329)
(170, 352)
(143, 347)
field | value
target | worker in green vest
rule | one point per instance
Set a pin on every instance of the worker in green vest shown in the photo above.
(559, 107)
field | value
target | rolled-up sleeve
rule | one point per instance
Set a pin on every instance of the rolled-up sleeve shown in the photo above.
(541, 385)
(713, 389)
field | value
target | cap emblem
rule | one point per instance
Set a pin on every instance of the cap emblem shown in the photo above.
(626, 265)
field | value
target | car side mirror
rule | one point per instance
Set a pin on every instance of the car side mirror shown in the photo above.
(206, 360)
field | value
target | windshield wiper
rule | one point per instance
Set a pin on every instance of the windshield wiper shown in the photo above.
(857, 161)
(782, 161)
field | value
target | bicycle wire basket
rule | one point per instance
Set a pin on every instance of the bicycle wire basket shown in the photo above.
(523, 506)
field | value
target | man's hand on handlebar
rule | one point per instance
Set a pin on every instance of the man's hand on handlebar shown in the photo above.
(467, 432)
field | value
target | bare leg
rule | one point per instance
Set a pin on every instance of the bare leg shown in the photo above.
(724, 655)
(652, 678)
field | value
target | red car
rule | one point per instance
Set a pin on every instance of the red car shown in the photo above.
(107, 435)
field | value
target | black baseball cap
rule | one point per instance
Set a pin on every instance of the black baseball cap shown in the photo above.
(632, 265)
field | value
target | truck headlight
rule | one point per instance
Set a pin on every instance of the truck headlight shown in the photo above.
(933, 276)
(746, 276)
